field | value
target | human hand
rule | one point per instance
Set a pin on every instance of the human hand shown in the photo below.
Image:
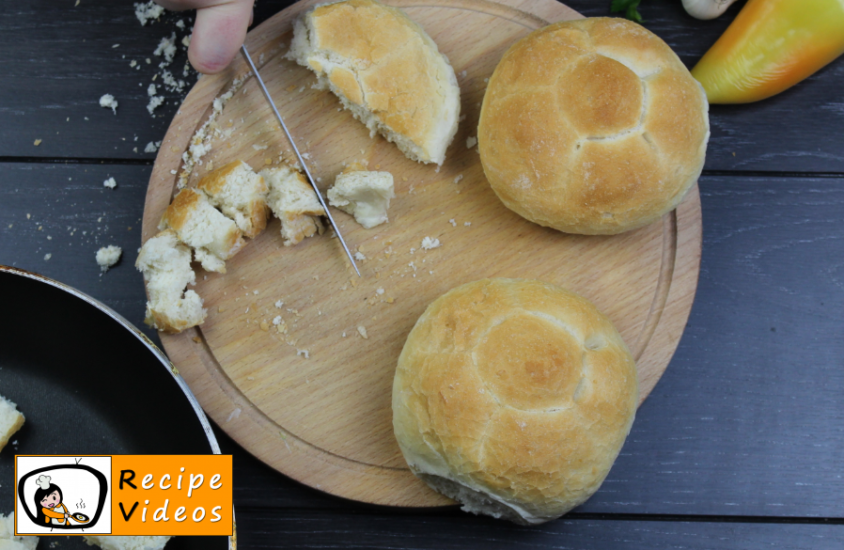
(218, 32)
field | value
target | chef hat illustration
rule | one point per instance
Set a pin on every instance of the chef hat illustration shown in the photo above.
(43, 482)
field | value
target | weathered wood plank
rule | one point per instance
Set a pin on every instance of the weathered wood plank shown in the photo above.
(58, 61)
(746, 421)
(261, 528)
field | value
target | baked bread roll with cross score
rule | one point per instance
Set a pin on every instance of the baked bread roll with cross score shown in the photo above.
(386, 70)
(513, 397)
(592, 126)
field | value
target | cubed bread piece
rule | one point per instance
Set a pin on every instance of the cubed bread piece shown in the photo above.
(8, 540)
(385, 69)
(165, 263)
(364, 195)
(293, 201)
(11, 420)
(214, 237)
(240, 194)
(127, 543)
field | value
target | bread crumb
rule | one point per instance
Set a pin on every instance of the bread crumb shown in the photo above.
(452, 222)
(359, 256)
(110, 183)
(379, 291)
(467, 224)
(277, 320)
(428, 243)
(233, 415)
(152, 147)
(362, 332)
(458, 178)
(260, 147)
(107, 256)
(390, 300)
(37, 142)
(279, 304)
(264, 326)
(146, 12)
(197, 339)
(303, 353)
(47, 256)
(471, 142)
(167, 48)
(108, 101)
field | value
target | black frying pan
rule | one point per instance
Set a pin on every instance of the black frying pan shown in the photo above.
(88, 382)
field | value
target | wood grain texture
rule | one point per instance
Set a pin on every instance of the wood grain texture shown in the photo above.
(306, 530)
(767, 445)
(326, 420)
(62, 56)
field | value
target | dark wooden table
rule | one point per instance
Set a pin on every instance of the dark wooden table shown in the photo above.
(740, 446)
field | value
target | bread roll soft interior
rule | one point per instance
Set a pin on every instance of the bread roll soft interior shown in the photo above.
(386, 70)
(592, 126)
(513, 397)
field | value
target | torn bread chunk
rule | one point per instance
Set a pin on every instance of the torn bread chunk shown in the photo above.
(127, 542)
(11, 420)
(240, 194)
(214, 237)
(293, 201)
(165, 264)
(364, 195)
(386, 70)
(8, 540)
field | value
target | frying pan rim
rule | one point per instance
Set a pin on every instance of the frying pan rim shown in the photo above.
(140, 336)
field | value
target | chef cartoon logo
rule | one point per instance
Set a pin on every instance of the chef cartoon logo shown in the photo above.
(63, 494)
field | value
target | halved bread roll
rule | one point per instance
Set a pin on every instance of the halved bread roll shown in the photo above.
(240, 194)
(11, 420)
(214, 237)
(293, 201)
(165, 264)
(386, 70)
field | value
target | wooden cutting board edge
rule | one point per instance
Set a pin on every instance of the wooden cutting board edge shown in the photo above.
(314, 466)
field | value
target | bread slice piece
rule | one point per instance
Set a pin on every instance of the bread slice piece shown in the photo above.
(293, 201)
(8, 540)
(127, 543)
(11, 421)
(214, 237)
(165, 263)
(386, 70)
(364, 195)
(240, 194)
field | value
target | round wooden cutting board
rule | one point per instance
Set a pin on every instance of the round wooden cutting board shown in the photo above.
(310, 396)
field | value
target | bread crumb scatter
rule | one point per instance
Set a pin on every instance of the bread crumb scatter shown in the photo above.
(110, 183)
(428, 243)
(167, 48)
(471, 142)
(108, 101)
(146, 12)
(107, 256)
(362, 331)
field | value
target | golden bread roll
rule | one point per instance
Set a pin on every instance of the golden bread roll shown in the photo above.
(386, 70)
(513, 397)
(592, 126)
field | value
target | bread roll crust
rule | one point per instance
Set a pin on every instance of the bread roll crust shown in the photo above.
(387, 71)
(592, 126)
(240, 194)
(515, 396)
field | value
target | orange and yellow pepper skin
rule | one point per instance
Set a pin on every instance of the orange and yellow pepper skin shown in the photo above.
(771, 45)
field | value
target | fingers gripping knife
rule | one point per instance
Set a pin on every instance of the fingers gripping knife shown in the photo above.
(298, 155)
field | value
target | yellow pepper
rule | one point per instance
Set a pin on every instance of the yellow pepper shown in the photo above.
(771, 45)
